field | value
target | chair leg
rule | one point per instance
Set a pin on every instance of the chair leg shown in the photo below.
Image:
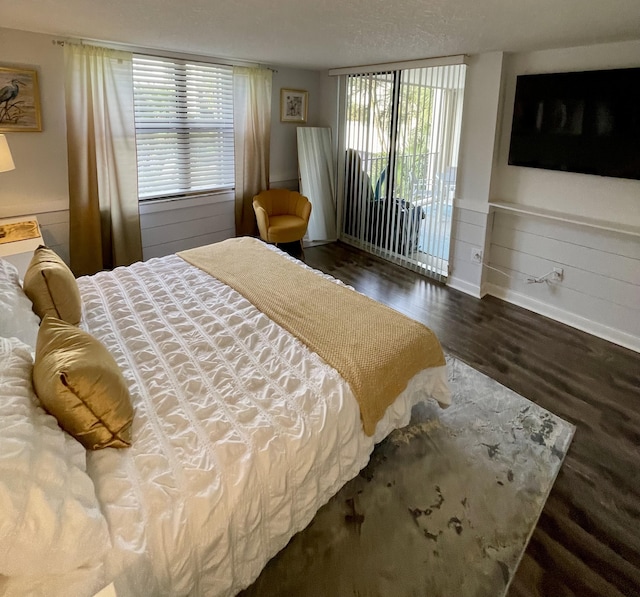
(302, 249)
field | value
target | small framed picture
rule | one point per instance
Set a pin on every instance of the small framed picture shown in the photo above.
(293, 105)
(19, 101)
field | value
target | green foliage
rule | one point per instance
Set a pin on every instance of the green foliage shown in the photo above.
(370, 105)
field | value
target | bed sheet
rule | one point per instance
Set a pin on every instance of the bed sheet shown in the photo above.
(240, 432)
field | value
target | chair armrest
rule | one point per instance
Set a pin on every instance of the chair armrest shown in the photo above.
(262, 217)
(303, 208)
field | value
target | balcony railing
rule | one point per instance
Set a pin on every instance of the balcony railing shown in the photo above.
(419, 189)
(416, 179)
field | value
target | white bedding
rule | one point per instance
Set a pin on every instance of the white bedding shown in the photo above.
(50, 520)
(240, 432)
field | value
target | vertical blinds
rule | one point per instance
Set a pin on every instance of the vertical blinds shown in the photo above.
(184, 126)
(401, 134)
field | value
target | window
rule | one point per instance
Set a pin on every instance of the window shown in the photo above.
(184, 127)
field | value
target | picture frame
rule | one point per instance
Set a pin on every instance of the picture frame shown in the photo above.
(293, 105)
(19, 101)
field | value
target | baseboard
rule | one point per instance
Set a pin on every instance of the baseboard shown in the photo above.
(316, 243)
(582, 323)
(464, 286)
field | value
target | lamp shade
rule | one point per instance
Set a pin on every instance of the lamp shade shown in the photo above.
(6, 161)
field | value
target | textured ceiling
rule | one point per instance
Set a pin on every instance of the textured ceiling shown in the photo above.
(320, 34)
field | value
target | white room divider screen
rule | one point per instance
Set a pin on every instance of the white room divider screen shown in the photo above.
(400, 138)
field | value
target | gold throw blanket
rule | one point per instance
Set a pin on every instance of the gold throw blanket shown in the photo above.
(376, 349)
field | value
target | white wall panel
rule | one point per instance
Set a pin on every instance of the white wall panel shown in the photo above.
(153, 215)
(600, 290)
(603, 240)
(469, 216)
(166, 227)
(516, 264)
(54, 226)
(481, 105)
(183, 244)
(559, 252)
(170, 227)
(472, 234)
(468, 231)
(201, 226)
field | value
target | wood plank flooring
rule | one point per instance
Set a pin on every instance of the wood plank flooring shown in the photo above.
(587, 542)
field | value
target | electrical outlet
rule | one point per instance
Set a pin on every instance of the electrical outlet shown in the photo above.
(558, 274)
(476, 255)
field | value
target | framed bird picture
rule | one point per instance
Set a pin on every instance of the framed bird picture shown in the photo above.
(19, 101)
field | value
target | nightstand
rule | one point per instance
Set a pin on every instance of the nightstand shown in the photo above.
(20, 252)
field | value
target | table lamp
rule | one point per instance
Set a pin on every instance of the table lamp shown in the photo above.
(6, 161)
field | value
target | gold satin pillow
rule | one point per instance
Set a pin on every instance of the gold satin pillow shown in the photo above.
(79, 383)
(50, 285)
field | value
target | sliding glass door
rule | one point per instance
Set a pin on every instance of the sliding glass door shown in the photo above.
(401, 138)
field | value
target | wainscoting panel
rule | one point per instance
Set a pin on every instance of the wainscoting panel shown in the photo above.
(600, 289)
(470, 225)
(588, 283)
(184, 243)
(582, 254)
(54, 226)
(168, 227)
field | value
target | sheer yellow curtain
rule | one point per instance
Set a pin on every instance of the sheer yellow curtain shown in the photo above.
(104, 224)
(252, 135)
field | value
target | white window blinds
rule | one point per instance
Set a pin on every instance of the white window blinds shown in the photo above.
(184, 126)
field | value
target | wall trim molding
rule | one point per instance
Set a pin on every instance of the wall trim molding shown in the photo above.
(464, 286)
(405, 64)
(286, 183)
(10, 210)
(471, 205)
(586, 325)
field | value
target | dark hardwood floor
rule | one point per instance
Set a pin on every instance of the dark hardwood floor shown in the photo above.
(587, 542)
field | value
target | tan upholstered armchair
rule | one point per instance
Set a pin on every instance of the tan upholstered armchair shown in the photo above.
(282, 215)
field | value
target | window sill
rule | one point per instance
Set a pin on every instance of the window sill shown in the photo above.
(157, 205)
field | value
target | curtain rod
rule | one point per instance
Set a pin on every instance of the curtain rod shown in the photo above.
(159, 52)
(389, 66)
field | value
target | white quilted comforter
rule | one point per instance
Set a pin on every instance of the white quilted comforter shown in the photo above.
(240, 432)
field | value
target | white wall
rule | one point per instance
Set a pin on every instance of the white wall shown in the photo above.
(600, 292)
(40, 182)
(284, 153)
(475, 162)
(614, 199)
(328, 107)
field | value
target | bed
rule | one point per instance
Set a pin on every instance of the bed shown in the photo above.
(241, 433)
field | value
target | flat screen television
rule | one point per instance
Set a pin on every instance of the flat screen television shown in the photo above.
(585, 122)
